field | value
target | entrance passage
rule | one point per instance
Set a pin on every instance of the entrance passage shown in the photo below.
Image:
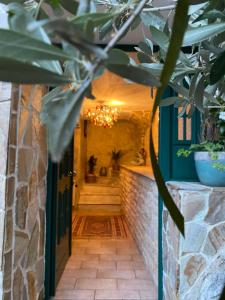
(105, 262)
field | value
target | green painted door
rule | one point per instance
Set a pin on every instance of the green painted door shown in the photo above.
(58, 220)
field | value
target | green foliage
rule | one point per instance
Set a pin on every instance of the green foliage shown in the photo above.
(83, 60)
(117, 154)
(211, 148)
(198, 76)
(219, 166)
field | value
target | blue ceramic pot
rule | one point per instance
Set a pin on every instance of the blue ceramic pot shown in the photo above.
(207, 174)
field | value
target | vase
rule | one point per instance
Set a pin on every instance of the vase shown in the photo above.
(206, 171)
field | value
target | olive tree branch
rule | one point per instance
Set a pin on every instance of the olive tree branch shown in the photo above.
(119, 34)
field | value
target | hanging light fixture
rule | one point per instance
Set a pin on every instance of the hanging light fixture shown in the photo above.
(103, 116)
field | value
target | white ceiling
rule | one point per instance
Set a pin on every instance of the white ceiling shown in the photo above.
(112, 90)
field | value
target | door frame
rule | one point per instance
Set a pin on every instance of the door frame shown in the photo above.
(50, 230)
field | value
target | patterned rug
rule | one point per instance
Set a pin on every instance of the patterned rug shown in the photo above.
(85, 227)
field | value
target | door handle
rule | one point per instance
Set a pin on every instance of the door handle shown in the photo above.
(72, 173)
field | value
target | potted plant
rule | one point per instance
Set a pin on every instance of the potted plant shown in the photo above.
(116, 156)
(91, 177)
(209, 155)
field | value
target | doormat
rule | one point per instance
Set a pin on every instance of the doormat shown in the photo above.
(94, 227)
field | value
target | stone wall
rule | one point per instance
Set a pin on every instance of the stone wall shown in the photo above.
(194, 267)
(139, 197)
(24, 241)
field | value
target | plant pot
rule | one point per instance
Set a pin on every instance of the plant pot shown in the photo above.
(91, 178)
(207, 173)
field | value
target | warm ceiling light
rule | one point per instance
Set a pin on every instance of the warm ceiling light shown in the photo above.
(103, 116)
(116, 102)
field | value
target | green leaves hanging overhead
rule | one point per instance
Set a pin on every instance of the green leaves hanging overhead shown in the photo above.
(199, 34)
(117, 56)
(72, 34)
(179, 27)
(15, 71)
(218, 69)
(135, 74)
(23, 47)
(63, 115)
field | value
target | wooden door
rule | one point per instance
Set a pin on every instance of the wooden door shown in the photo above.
(58, 220)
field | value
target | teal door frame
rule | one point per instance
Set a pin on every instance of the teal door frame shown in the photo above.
(50, 230)
(58, 245)
(169, 163)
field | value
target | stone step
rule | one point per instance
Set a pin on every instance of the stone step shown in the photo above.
(87, 209)
(98, 189)
(99, 199)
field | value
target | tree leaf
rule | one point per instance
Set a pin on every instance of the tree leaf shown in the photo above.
(23, 47)
(154, 19)
(145, 48)
(197, 35)
(69, 5)
(177, 101)
(15, 71)
(160, 38)
(72, 34)
(218, 69)
(97, 18)
(63, 116)
(117, 56)
(143, 58)
(84, 7)
(135, 74)
(199, 93)
(21, 22)
(179, 26)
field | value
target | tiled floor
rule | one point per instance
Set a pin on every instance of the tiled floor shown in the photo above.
(105, 270)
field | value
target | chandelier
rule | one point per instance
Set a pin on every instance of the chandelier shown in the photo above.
(103, 116)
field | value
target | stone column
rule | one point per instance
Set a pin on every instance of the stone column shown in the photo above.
(194, 266)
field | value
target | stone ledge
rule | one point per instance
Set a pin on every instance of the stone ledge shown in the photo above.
(192, 186)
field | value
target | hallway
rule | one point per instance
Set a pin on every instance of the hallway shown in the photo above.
(105, 269)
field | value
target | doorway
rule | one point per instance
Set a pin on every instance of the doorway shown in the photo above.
(106, 256)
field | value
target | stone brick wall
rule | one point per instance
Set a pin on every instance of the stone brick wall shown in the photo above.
(139, 197)
(24, 241)
(194, 267)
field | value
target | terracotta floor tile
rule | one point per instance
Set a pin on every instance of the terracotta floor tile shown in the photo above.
(142, 274)
(105, 270)
(127, 251)
(130, 265)
(84, 257)
(112, 257)
(101, 250)
(148, 295)
(116, 295)
(97, 284)
(75, 295)
(78, 250)
(133, 284)
(78, 273)
(137, 257)
(99, 265)
(73, 265)
(112, 274)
